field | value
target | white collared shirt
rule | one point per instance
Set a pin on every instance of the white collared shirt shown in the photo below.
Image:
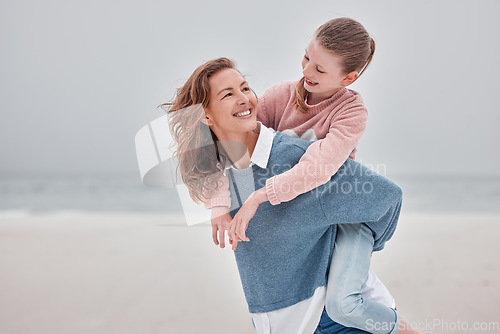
(303, 317)
(262, 150)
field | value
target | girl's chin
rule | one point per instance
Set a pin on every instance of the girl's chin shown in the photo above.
(308, 88)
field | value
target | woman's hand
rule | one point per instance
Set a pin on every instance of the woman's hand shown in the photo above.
(239, 224)
(220, 220)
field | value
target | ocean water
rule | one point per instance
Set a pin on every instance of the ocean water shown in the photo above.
(125, 193)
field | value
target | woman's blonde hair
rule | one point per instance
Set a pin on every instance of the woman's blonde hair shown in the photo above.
(346, 38)
(200, 158)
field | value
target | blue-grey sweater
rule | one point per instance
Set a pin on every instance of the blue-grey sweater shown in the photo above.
(291, 244)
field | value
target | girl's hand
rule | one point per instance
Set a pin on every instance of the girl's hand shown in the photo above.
(220, 220)
(239, 224)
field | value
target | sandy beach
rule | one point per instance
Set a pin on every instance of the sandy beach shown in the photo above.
(149, 273)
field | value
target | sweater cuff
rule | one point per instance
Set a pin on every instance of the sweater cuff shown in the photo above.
(218, 202)
(271, 191)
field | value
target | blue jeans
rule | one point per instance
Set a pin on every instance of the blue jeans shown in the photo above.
(328, 326)
(348, 271)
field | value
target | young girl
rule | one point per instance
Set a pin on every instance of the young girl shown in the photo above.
(320, 108)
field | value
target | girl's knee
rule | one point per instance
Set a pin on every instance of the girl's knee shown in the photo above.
(340, 308)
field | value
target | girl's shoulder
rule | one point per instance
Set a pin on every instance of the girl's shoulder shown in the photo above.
(275, 100)
(353, 95)
(283, 89)
(346, 101)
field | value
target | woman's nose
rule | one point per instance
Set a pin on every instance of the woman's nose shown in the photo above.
(242, 98)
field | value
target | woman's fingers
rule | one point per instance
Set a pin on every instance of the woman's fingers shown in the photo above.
(220, 219)
(214, 234)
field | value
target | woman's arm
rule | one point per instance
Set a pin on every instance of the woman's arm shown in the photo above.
(219, 202)
(220, 196)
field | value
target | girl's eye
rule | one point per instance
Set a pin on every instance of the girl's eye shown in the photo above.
(317, 69)
(306, 57)
(246, 89)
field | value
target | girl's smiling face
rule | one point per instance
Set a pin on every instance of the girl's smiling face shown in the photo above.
(232, 107)
(323, 72)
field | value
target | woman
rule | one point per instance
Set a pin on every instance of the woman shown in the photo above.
(283, 267)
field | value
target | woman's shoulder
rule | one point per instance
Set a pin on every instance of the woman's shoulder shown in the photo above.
(283, 143)
(285, 152)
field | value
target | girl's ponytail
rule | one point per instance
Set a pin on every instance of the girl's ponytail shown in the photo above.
(369, 60)
(300, 99)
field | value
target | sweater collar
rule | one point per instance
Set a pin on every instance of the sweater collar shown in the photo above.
(316, 108)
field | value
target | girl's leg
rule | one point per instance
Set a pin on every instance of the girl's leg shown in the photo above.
(348, 271)
(328, 326)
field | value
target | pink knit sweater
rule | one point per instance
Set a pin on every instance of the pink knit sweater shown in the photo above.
(336, 124)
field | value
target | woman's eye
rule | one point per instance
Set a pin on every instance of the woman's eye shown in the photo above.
(246, 89)
(306, 57)
(227, 95)
(319, 70)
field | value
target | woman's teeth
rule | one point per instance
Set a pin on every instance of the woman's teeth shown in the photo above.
(243, 113)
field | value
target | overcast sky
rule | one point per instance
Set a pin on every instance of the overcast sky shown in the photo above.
(78, 79)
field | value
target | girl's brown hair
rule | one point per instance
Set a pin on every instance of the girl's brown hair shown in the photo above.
(346, 38)
(199, 157)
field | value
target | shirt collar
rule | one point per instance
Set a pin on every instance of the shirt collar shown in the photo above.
(262, 150)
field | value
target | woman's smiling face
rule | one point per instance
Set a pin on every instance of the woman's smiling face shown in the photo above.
(232, 107)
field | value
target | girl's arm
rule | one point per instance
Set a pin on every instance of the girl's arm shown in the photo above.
(319, 163)
(322, 158)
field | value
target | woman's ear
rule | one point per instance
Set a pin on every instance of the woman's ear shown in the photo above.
(207, 121)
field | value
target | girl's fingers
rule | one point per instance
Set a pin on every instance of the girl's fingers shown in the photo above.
(232, 230)
(234, 236)
(242, 232)
(238, 232)
(221, 237)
